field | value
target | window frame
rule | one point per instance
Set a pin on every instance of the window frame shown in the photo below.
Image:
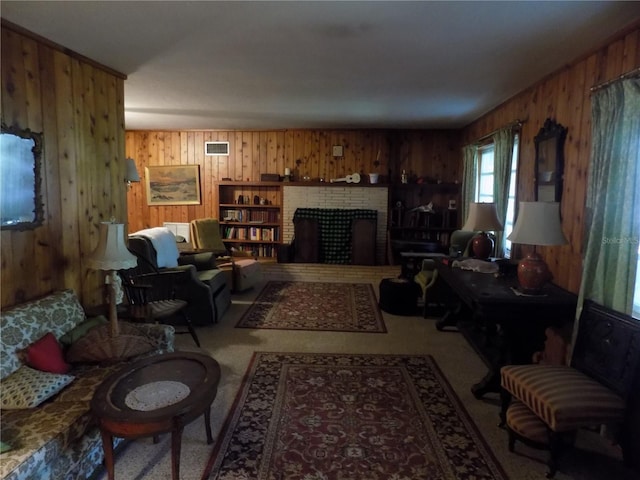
(513, 184)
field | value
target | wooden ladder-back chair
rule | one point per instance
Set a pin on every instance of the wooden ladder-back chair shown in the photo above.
(152, 297)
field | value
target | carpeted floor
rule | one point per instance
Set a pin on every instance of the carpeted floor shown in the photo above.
(304, 416)
(142, 459)
(338, 307)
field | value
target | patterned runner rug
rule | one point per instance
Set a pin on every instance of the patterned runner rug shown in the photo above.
(302, 416)
(341, 307)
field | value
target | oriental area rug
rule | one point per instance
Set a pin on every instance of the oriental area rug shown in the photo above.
(338, 307)
(303, 416)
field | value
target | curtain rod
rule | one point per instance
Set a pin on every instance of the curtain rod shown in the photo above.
(514, 124)
(631, 74)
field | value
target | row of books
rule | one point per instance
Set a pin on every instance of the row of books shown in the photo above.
(258, 250)
(246, 215)
(265, 234)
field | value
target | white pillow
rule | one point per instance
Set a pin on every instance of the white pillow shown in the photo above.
(28, 388)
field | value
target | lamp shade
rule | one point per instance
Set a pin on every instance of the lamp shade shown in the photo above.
(482, 216)
(111, 252)
(538, 223)
(131, 174)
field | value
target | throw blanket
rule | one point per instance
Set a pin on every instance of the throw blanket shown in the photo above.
(335, 230)
(164, 241)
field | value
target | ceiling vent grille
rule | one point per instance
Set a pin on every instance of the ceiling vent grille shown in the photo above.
(216, 148)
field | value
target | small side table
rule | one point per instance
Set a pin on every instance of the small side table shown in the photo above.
(399, 296)
(119, 408)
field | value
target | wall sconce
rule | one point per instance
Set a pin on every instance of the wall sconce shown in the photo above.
(131, 174)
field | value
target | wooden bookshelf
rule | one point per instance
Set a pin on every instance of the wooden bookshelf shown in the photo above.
(250, 216)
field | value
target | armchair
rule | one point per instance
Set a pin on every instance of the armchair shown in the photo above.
(241, 274)
(461, 241)
(545, 405)
(205, 288)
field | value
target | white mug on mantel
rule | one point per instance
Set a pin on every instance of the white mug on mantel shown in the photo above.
(373, 178)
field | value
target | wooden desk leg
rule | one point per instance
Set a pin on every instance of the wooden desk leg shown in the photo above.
(176, 446)
(490, 383)
(207, 424)
(450, 318)
(107, 447)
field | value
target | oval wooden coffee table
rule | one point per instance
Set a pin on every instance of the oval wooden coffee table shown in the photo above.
(155, 395)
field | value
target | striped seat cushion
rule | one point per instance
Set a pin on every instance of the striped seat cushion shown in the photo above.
(563, 397)
(526, 423)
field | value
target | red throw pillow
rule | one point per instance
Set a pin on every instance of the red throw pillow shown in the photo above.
(46, 355)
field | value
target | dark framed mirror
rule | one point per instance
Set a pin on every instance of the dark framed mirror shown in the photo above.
(21, 205)
(549, 164)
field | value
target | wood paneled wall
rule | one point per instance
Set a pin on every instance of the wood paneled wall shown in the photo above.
(433, 154)
(79, 108)
(565, 97)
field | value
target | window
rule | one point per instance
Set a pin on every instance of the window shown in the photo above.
(484, 190)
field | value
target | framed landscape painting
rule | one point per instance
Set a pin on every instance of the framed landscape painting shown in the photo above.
(173, 185)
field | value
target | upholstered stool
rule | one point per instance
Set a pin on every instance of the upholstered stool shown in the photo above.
(559, 399)
(242, 274)
(550, 392)
(526, 426)
(399, 296)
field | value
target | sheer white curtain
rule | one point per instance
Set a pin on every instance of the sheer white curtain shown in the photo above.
(613, 197)
(503, 142)
(469, 178)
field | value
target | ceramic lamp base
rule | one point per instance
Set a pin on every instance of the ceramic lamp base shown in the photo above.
(482, 245)
(533, 274)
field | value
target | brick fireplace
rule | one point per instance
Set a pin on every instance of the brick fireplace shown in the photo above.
(333, 196)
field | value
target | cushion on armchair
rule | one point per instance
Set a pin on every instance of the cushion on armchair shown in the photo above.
(205, 234)
(202, 261)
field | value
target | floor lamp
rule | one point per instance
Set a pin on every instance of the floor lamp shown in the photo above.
(114, 340)
(538, 223)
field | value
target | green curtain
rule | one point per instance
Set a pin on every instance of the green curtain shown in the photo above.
(503, 142)
(469, 175)
(613, 197)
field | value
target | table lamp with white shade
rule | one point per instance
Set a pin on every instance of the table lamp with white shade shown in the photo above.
(116, 341)
(482, 217)
(538, 223)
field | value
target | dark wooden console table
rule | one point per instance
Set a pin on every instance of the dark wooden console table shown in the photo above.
(503, 327)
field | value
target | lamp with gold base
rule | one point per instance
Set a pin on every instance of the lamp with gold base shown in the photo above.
(538, 223)
(482, 217)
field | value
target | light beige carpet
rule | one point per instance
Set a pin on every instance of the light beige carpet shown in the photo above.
(234, 347)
